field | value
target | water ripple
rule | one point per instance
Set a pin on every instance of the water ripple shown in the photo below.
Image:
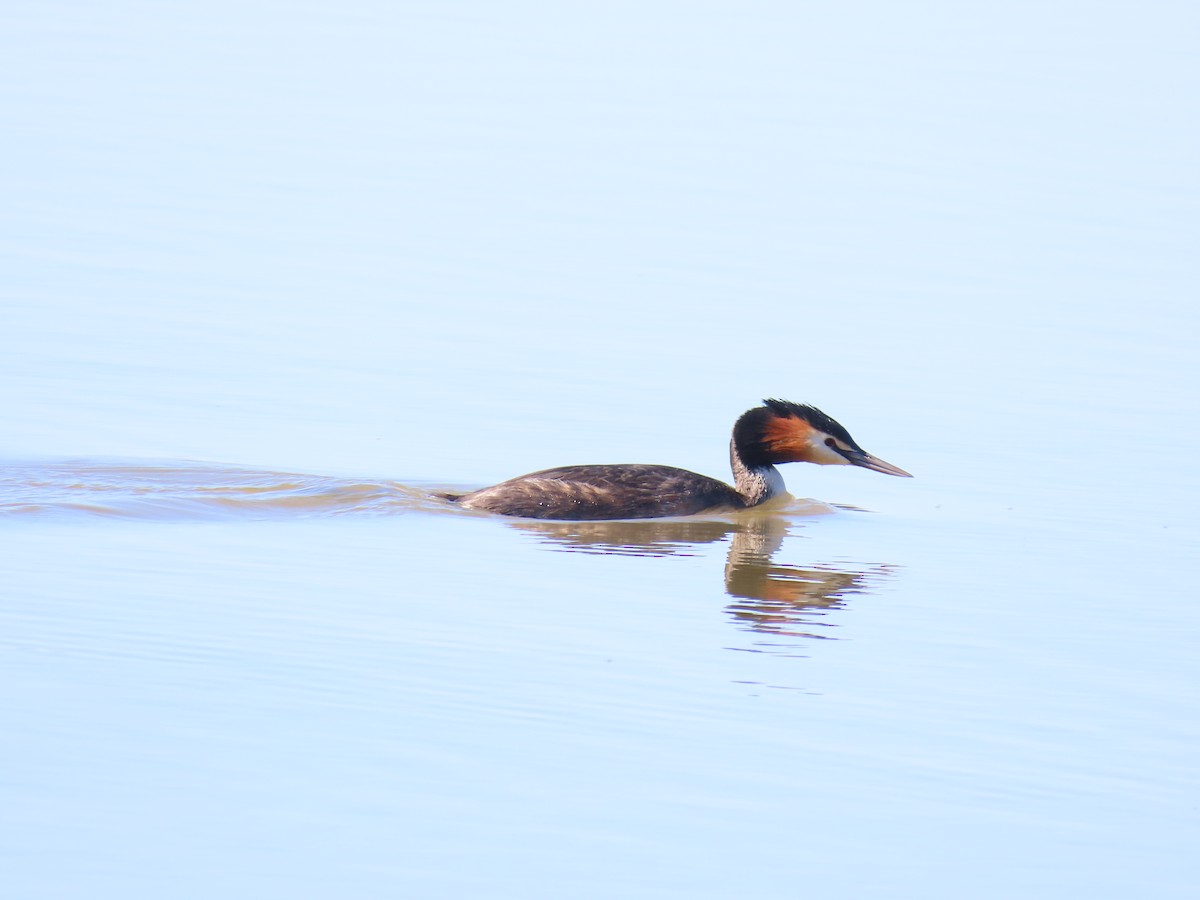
(183, 491)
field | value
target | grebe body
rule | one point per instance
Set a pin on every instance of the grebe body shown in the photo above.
(776, 432)
(626, 491)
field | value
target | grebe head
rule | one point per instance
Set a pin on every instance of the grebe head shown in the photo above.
(780, 431)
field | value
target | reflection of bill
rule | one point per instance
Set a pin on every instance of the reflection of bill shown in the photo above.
(769, 598)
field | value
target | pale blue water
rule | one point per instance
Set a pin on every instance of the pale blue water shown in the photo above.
(272, 273)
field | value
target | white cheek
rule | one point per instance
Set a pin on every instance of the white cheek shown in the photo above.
(827, 456)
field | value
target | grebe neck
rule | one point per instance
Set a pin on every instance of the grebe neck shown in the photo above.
(756, 483)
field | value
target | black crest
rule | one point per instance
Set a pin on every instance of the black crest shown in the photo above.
(813, 417)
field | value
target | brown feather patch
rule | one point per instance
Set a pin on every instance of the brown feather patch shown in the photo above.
(788, 439)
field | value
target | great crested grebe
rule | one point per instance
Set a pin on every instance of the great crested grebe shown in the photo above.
(776, 432)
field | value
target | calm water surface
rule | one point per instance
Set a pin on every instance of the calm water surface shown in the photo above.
(273, 275)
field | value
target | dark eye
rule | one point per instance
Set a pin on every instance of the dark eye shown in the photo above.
(831, 443)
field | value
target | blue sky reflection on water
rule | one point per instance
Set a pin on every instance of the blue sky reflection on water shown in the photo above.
(391, 247)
